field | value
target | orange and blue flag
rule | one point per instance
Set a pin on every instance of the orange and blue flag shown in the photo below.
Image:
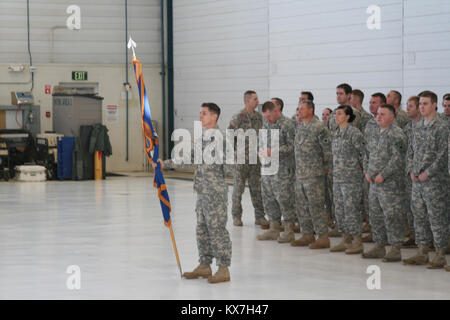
(151, 143)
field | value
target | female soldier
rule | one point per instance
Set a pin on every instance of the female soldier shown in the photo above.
(348, 154)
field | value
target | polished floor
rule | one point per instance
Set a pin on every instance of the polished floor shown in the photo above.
(113, 231)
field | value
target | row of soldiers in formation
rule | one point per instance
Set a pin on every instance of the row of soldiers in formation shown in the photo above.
(390, 167)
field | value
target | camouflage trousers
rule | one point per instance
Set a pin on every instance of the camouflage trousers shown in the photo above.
(365, 197)
(252, 173)
(428, 205)
(409, 215)
(310, 201)
(277, 195)
(213, 239)
(329, 200)
(347, 202)
(386, 213)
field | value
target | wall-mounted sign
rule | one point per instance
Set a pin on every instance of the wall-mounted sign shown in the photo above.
(79, 75)
(48, 89)
(112, 114)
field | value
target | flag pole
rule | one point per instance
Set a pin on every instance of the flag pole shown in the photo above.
(175, 248)
(131, 45)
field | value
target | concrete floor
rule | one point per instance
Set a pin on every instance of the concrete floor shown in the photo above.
(113, 231)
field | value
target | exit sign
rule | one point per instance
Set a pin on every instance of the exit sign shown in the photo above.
(79, 75)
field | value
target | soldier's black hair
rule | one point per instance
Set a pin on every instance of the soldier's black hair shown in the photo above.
(347, 88)
(348, 111)
(381, 96)
(212, 107)
(429, 94)
(309, 94)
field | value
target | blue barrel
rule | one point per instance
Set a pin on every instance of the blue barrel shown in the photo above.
(65, 147)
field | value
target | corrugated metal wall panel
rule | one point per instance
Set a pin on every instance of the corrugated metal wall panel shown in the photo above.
(100, 39)
(281, 47)
(220, 50)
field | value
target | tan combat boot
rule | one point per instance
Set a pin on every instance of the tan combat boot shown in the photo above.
(273, 233)
(356, 247)
(409, 243)
(288, 235)
(222, 275)
(367, 238)
(366, 228)
(203, 271)
(393, 255)
(334, 232)
(341, 246)
(447, 268)
(377, 252)
(304, 240)
(263, 223)
(322, 242)
(237, 221)
(438, 261)
(420, 258)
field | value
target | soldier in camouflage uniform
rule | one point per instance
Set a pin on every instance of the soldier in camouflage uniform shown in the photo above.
(412, 108)
(246, 119)
(371, 135)
(343, 97)
(279, 104)
(356, 101)
(384, 170)
(349, 149)
(394, 98)
(313, 160)
(277, 187)
(213, 239)
(427, 164)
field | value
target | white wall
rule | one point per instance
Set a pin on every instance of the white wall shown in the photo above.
(100, 39)
(281, 47)
(220, 51)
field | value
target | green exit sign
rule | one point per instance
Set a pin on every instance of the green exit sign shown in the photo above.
(79, 75)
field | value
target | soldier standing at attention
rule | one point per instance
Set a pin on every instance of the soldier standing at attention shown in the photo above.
(385, 172)
(349, 148)
(371, 133)
(343, 97)
(277, 187)
(394, 98)
(356, 101)
(279, 104)
(427, 165)
(413, 111)
(248, 118)
(213, 239)
(313, 160)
